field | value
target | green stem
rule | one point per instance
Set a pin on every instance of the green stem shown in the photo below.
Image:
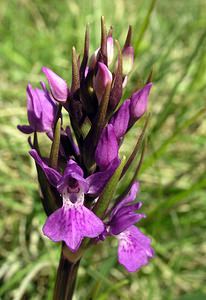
(65, 279)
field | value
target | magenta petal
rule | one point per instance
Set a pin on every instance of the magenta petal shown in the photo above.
(72, 170)
(60, 226)
(52, 175)
(107, 148)
(57, 85)
(41, 109)
(134, 250)
(97, 181)
(71, 224)
(120, 119)
(138, 103)
(127, 199)
(89, 224)
(121, 222)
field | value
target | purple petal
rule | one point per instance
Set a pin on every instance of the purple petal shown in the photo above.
(107, 148)
(97, 181)
(57, 85)
(25, 129)
(120, 119)
(89, 224)
(103, 77)
(60, 226)
(127, 199)
(134, 250)
(121, 222)
(138, 103)
(72, 170)
(52, 175)
(41, 109)
(71, 224)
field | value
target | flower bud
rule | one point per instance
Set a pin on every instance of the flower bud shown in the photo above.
(127, 59)
(138, 103)
(102, 78)
(120, 119)
(107, 148)
(110, 50)
(57, 85)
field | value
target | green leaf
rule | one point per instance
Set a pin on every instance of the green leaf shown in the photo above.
(55, 145)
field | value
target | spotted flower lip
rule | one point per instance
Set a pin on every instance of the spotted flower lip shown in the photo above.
(134, 248)
(73, 221)
(41, 111)
(58, 86)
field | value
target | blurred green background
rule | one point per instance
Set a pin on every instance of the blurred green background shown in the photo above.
(169, 36)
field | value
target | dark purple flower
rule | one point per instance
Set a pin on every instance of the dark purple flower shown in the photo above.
(107, 147)
(120, 120)
(102, 78)
(41, 111)
(138, 103)
(73, 221)
(58, 86)
(134, 250)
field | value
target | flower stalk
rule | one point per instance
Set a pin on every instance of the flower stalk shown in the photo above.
(65, 278)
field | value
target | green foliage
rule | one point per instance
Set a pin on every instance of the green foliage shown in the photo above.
(168, 36)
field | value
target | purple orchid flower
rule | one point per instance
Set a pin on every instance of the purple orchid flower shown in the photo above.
(58, 86)
(134, 248)
(73, 221)
(107, 148)
(120, 120)
(41, 111)
(138, 103)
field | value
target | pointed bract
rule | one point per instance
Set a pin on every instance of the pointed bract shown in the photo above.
(58, 86)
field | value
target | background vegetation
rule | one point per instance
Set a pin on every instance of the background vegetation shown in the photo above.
(171, 37)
